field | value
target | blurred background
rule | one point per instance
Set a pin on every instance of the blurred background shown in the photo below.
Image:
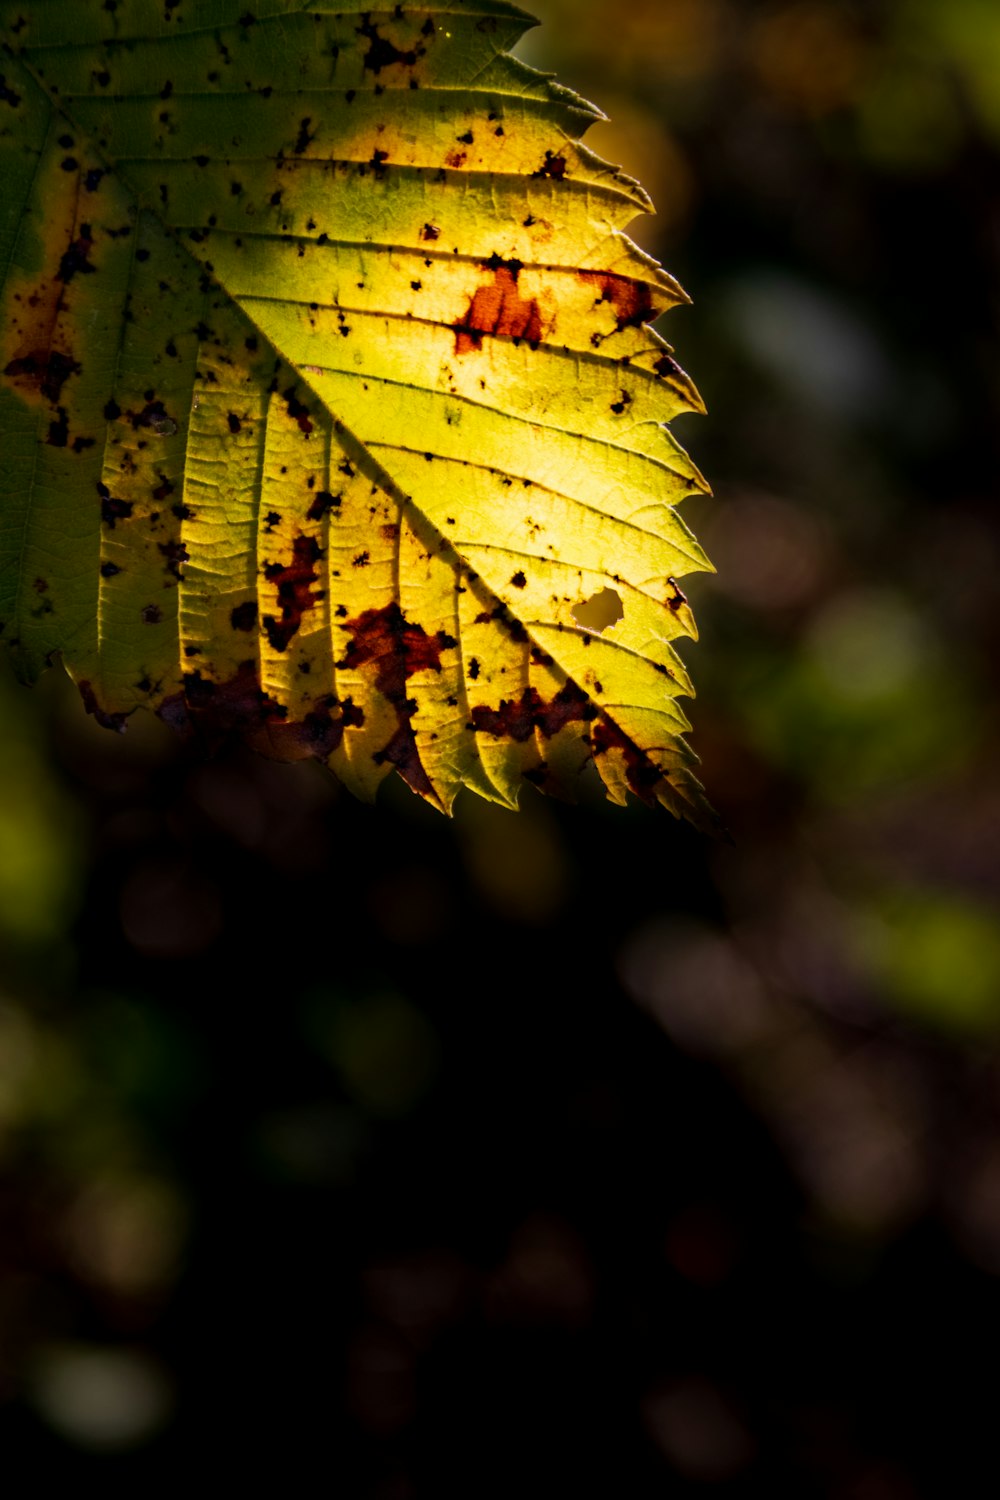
(523, 1154)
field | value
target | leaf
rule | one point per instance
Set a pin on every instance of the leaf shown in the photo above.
(330, 411)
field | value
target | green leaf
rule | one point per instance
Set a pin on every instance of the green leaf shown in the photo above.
(328, 397)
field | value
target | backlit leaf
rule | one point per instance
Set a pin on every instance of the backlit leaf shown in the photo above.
(329, 406)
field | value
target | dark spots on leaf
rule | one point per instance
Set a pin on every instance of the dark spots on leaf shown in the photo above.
(112, 411)
(66, 142)
(642, 776)
(297, 410)
(175, 553)
(76, 260)
(106, 720)
(170, 349)
(361, 561)
(235, 425)
(151, 614)
(666, 366)
(101, 77)
(41, 585)
(276, 197)
(382, 53)
(182, 512)
(377, 163)
(322, 502)
(7, 94)
(251, 343)
(402, 752)
(430, 232)
(553, 166)
(247, 19)
(109, 570)
(518, 581)
(266, 91)
(397, 647)
(80, 444)
(271, 520)
(632, 301)
(112, 509)
(244, 616)
(293, 582)
(167, 89)
(202, 160)
(92, 181)
(154, 417)
(58, 435)
(517, 719)
(304, 137)
(235, 188)
(43, 370)
(677, 596)
(618, 407)
(69, 164)
(416, 286)
(142, 255)
(473, 669)
(499, 309)
(164, 489)
(455, 160)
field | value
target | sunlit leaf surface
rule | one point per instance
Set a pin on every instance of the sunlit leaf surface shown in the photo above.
(329, 406)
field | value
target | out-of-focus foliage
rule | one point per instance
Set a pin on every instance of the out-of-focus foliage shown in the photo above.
(611, 1155)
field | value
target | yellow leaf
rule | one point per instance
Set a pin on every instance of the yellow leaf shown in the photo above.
(328, 395)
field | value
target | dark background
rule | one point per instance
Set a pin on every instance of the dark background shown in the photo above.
(523, 1154)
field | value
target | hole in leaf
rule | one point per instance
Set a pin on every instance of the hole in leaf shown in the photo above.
(600, 612)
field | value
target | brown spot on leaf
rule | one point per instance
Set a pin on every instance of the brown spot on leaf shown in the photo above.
(677, 596)
(293, 583)
(553, 166)
(382, 53)
(499, 309)
(112, 509)
(430, 232)
(632, 301)
(297, 410)
(322, 502)
(244, 616)
(58, 434)
(175, 553)
(7, 94)
(402, 752)
(43, 370)
(76, 260)
(90, 703)
(386, 637)
(518, 720)
(642, 776)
